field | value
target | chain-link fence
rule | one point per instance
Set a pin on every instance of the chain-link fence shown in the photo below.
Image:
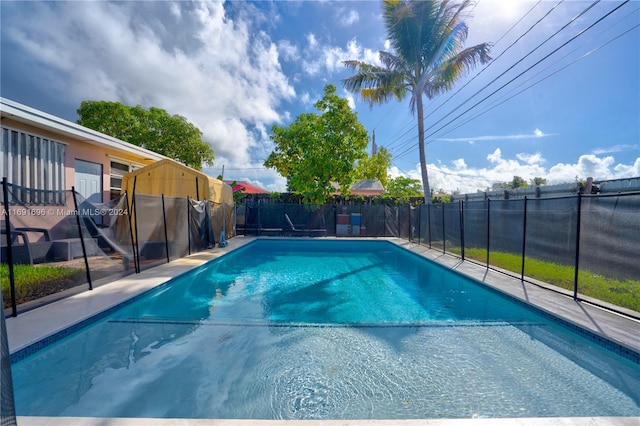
(56, 243)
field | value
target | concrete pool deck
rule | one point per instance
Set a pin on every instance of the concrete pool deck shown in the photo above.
(33, 326)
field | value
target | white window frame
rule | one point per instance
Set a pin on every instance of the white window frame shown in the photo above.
(118, 174)
(33, 161)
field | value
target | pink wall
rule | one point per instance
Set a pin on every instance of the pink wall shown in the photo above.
(92, 154)
(79, 150)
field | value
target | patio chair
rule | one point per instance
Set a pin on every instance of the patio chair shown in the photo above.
(23, 250)
(302, 230)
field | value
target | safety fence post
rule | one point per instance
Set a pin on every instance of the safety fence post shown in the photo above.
(7, 225)
(488, 228)
(577, 262)
(461, 208)
(524, 237)
(164, 221)
(84, 248)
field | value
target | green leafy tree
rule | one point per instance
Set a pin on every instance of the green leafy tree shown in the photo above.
(517, 182)
(403, 188)
(317, 150)
(238, 194)
(374, 166)
(538, 181)
(428, 38)
(153, 129)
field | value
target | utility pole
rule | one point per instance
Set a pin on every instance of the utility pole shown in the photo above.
(374, 147)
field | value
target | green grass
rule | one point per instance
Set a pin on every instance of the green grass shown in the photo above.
(623, 293)
(33, 282)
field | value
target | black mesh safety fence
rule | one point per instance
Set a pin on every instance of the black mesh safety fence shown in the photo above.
(57, 243)
(178, 226)
(424, 233)
(373, 221)
(150, 230)
(299, 219)
(223, 220)
(173, 227)
(506, 233)
(40, 246)
(403, 215)
(391, 218)
(585, 246)
(610, 237)
(200, 228)
(414, 220)
(551, 236)
(609, 246)
(436, 226)
(107, 237)
(452, 228)
(475, 225)
(360, 220)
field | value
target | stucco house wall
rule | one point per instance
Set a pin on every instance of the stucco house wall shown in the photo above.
(80, 143)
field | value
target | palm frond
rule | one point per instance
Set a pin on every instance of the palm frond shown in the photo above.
(374, 83)
(458, 66)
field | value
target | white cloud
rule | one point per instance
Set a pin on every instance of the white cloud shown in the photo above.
(225, 77)
(537, 133)
(329, 59)
(311, 41)
(496, 156)
(252, 172)
(288, 50)
(349, 97)
(347, 18)
(466, 179)
(530, 158)
(616, 148)
(306, 100)
(460, 164)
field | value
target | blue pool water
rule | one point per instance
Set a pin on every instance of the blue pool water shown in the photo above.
(306, 329)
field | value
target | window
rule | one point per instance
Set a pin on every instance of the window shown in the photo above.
(119, 168)
(33, 162)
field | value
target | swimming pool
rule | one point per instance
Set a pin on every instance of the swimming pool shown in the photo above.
(325, 329)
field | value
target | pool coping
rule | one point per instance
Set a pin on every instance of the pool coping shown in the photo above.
(46, 321)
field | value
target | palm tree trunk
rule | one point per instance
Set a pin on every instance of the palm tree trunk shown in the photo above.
(423, 159)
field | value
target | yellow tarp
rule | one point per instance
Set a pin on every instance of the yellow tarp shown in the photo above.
(173, 179)
(177, 180)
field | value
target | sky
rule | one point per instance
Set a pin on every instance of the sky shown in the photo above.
(560, 100)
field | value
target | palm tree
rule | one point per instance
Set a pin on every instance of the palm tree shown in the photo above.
(428, 38)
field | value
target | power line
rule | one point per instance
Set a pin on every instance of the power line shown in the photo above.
(521, 59)
(495, 105)
(616, 37)
(580, 33)
(501, 54)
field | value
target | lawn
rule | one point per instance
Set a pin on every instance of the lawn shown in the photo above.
(623, 293)
(34, 282)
